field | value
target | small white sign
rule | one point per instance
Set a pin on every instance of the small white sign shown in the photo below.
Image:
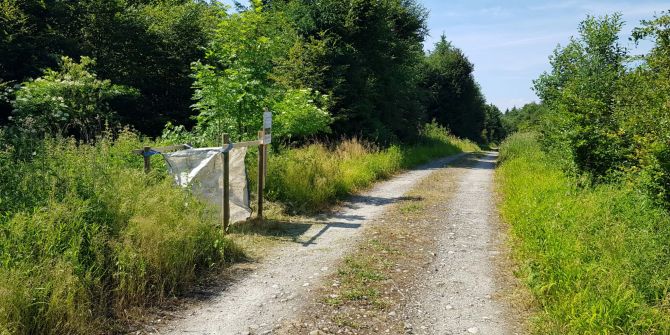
(267, 120)
(267, 139)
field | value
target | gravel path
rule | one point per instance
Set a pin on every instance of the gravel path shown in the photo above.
(459, 296)
(260, 302)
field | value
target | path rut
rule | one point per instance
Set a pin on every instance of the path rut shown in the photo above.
(260, 302)
(461, 295)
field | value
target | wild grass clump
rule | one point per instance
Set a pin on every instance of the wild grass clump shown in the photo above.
(596, 258)
(85, 234)
(311, 178)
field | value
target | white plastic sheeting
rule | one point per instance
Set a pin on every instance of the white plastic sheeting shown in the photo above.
(202, 170)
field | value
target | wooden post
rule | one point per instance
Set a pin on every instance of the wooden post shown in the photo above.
(147, 159)
(226, 183)
(265, 163)
(267, 130)
(261, 173)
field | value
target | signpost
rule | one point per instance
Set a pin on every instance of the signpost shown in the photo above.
(267, 119)
(261, 174)
(265, 137)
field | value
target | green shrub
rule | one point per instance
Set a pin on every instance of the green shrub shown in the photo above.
(595, 258)
(238, 79)
(70, 101)
(85, 234)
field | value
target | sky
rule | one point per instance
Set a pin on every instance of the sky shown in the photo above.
(510, 42)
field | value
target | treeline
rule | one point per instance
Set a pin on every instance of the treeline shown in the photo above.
(605, 112)
(327, 68)
(87, 239)
(146, 45)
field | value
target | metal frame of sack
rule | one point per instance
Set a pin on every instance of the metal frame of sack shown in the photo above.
(264, 139)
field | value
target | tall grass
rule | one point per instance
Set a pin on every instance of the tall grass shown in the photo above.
(85, 234)
(596, 258)
(311, 178)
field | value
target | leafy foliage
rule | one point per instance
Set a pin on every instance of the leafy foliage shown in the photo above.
(371, 66)
(148, 45)
(70, 101)
(494, 130)
(528, 117)
(236, 84)
(582, 89)
(298, 114)
(610, 120)
(588, 194)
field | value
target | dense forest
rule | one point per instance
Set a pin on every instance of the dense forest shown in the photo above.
(352, 68)
(87, 238)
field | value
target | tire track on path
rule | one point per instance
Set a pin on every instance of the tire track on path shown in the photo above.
(461, 295)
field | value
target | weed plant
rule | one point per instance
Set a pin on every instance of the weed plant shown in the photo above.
(85, 234)
(311, 178)
(596, 258)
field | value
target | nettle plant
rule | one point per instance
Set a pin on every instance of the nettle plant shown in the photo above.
(71, 101)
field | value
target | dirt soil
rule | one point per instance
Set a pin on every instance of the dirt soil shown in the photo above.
(435, 263)
(279, 287)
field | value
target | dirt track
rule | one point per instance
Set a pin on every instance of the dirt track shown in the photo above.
(435, 263)
(278, 287)
(460, 295)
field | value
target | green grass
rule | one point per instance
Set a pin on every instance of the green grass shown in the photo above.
(85, 235)
(312, 178)
(597, 259)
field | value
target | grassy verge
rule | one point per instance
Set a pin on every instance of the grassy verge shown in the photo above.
(312, 178)
(86, 237)
(597, 259)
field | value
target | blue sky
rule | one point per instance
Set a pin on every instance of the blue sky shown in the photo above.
(509, 42)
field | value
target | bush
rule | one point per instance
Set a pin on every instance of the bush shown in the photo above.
(596, 258)
(606, 113)
(297, 115)
(237, 81)
(72, 101)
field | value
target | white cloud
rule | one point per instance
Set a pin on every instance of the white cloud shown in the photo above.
(554, 6)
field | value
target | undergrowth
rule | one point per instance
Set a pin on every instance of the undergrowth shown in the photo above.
(595, 257)
(85, 234)
(310, 179)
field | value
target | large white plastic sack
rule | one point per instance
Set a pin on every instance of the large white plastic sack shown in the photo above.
(202, 170)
